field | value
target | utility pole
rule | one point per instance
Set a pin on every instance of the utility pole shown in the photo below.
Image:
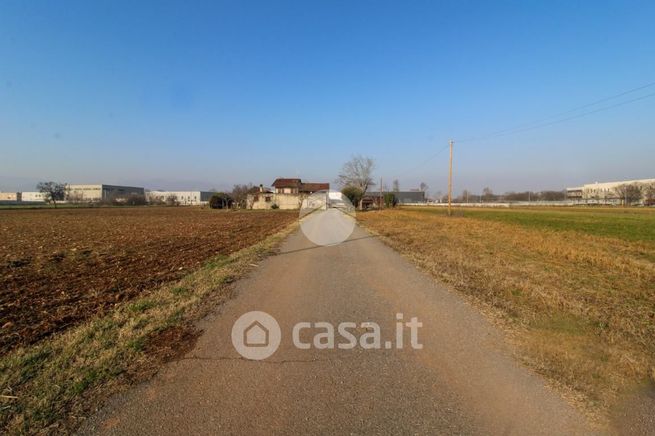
(450, 179)
(380, 193)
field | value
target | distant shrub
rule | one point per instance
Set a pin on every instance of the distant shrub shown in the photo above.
(135, 200)
(220, 200)
(172, 200)
(353, 193)
(390, 200)
(128, 200)
(275, 206)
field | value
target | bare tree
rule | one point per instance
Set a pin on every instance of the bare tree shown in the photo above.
(552, 195)
(628, 193)
(172, 200)
(52, 191)
(649, 194)
(75, 197)
(487, 194)
(423, 187)
(358, 173)
(396, 185)
(240, 194)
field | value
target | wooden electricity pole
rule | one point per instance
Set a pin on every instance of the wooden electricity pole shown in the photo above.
(450, 179)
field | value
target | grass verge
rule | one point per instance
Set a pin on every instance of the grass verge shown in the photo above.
(51, 386)
(580, 306)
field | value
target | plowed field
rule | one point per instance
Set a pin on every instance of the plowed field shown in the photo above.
(60, 267)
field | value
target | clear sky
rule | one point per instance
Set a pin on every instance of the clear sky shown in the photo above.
(207, 94)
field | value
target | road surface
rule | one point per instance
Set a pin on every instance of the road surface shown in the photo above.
(463, 380)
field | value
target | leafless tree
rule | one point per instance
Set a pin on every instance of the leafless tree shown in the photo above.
(487, 194)
(135, 200)
(172, 200)
(240, 194)
(75, 197)
(396, 185)
(649, 194)
(52, 191)
(423, 187)
(552, 195)
(628, 193)
(358, 173)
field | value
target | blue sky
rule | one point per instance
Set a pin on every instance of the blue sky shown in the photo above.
(207, 94)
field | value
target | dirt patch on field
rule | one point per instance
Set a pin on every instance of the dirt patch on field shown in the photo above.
(172, 343)
(60, 267)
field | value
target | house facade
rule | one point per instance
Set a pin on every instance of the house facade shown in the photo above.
(284, 194)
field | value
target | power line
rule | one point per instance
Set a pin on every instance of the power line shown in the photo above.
(545, 121)
(425, 161)
(584, 114)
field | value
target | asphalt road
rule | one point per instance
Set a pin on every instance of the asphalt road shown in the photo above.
(463, 380)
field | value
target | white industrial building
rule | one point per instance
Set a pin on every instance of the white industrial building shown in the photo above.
(101, 192)
(78, 194)
(604, 192)
(10, 196)
(185, 198)
(32, 196)
(95, 193)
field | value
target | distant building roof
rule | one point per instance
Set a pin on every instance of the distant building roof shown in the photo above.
(286, 183)
(610, 185)
(259, 190)
(302, 187)
(313, 187)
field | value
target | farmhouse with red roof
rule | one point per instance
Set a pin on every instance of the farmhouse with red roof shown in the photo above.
(285, 194)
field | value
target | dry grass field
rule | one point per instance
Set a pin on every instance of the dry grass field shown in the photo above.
(93, 299)
(575, 288)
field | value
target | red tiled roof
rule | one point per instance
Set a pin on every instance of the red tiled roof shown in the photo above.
(302, 187)
(286, 183)
(313, 187)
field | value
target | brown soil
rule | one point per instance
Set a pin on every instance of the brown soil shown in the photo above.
(60, 267)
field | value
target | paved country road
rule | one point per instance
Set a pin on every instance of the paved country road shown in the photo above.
(463, 380)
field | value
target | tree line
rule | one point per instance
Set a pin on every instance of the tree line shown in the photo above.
(488, 196)
(631, 193)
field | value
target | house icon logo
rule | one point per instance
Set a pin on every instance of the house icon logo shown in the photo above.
(256, 335)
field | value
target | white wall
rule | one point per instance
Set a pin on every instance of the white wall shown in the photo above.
(32, 196)
(186, 198)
